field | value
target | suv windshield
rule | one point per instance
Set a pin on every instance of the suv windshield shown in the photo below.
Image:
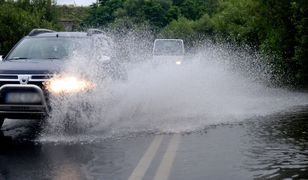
(47, 48)
(168, 48)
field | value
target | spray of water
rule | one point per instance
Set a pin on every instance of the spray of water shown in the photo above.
(215, 85)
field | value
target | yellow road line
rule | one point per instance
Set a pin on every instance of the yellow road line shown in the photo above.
(147, 158)
(165, 166)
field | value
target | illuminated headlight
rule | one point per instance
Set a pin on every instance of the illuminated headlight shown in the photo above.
(178, 62)
(68, 84)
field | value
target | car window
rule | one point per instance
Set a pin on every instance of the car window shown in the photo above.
(47, 48)
(168, 48)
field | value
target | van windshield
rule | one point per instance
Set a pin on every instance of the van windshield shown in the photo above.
(168, 48)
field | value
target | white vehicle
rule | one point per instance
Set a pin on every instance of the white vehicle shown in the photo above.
(168, 51)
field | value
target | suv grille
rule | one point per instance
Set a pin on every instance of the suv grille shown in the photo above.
(3, 76)
(35, 79)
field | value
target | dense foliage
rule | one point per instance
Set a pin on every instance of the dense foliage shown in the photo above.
(17, 18)
(74, 14)
(277, 29)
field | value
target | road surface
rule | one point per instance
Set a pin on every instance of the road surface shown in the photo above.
(270, 147)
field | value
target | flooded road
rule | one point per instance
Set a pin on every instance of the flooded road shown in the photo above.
(212, 118)
(263, 147)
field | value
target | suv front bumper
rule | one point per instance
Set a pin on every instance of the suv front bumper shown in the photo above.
(23, 109)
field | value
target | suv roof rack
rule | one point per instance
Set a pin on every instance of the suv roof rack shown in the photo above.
(37, 31)
(90, 32)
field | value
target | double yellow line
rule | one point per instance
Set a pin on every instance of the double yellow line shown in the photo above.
(165, 166)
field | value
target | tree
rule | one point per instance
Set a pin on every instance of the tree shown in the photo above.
(17, 19)
(238, 21)
(155, 13)
(300, 21)
(103, 13)
(182, 29)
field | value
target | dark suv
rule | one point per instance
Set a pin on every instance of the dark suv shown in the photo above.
(26, 71)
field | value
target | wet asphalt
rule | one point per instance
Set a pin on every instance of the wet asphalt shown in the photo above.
(268, 147)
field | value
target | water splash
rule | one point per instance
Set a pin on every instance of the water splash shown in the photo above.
(215, 85)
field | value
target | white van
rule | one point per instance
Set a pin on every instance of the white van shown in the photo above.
(168, 51)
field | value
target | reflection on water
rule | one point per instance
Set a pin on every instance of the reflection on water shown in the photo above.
(277, 146)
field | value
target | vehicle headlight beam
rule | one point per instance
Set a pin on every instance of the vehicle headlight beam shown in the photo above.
(68, 84)
(178, 62)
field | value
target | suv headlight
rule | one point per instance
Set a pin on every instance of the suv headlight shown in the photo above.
(68, 84)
